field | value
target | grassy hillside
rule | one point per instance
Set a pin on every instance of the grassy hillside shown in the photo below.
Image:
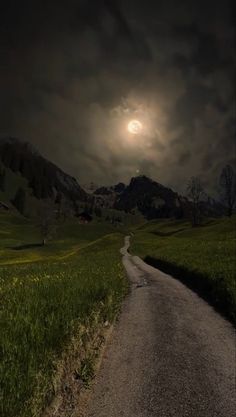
(203, 257)
(52, 296)
(68, 237)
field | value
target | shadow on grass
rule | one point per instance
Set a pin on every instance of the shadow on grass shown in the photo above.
(27, 246)
(214, 292)
(173, 232)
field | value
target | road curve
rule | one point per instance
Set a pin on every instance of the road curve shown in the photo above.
(170, 355)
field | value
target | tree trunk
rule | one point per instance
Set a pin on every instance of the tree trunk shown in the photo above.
(230, 211)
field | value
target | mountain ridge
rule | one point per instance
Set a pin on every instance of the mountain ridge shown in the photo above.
(44, 177)
(43, 180)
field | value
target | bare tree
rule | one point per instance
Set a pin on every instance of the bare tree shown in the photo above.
(63, 210)
(228, 186)
(46, 223)
(195, 192)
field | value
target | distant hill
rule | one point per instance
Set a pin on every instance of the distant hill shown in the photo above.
(22, 166)
(106, 197)
(117, 189)
(142, 195)
(28, 181)
(151, 199)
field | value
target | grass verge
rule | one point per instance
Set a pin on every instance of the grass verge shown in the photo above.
(48, 307)
(203, 258)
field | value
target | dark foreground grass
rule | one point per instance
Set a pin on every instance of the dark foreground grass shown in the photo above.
(44, 306)
(202, 257)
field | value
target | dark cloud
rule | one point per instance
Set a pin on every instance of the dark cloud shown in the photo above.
(184, 158)
(73, 73)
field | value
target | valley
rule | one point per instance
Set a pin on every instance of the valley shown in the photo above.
(63, 283)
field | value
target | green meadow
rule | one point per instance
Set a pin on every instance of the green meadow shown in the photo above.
(202, 257)
(50, 296)
(56, 299)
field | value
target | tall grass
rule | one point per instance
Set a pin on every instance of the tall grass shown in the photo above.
(43, 306)
(203, 257)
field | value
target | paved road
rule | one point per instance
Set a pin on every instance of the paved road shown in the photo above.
(171, 354)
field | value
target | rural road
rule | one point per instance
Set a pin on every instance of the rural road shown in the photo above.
(170, 354)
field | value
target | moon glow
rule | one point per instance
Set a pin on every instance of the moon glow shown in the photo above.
(135, 127)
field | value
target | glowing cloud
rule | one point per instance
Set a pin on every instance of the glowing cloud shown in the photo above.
(135, 127)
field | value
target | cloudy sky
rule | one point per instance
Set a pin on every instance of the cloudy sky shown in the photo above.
(74, 73)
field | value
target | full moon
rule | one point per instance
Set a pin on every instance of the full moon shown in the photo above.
(135, 127)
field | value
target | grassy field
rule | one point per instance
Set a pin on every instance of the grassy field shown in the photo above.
(67, 238)
(202, 257)
(50, 296)
(58, 296)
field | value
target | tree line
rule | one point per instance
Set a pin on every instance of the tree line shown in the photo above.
(196, 193)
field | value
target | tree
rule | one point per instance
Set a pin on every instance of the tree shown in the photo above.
(195, 192)
(66, 210)
(228, 187)
(60, 204)
(2, 179)
(98, 211)
(46, 223)
(19, 200)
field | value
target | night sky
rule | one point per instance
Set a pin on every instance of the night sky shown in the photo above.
(74, 73)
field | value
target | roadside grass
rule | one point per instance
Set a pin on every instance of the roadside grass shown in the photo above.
(45, 305)
(202, 257)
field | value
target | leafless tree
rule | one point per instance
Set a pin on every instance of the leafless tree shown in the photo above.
(63, 210)
(228, 187)
(195, 192)
(46, 223)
